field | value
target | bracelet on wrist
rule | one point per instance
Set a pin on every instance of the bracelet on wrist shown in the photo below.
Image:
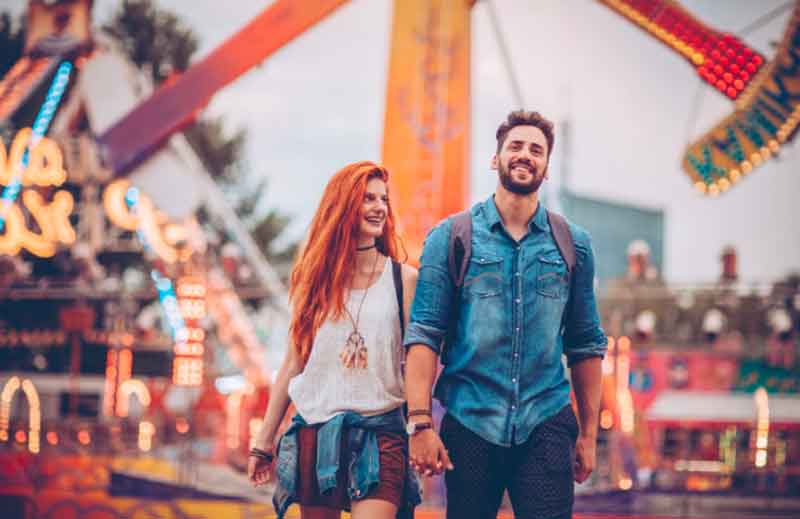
(262, 454)
(420, 412)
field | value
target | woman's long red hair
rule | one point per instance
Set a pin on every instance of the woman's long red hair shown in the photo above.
(325, 267)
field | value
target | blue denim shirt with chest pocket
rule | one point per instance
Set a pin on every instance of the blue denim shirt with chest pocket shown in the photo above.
(503, 373)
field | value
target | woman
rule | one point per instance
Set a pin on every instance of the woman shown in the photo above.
(346, 449)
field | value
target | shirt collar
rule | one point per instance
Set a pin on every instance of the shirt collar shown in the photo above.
(539, 219)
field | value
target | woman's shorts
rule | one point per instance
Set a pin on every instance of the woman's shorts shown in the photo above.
(393, 466)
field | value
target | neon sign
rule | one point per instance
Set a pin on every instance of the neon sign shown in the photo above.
(131, 210)
(40, 125)
(32, 164)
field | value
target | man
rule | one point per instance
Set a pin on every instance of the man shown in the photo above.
(509, 422)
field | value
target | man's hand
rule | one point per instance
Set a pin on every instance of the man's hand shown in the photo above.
(428, 455)
(585, 457)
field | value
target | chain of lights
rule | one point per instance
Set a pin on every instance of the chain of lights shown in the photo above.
(721, 59)
(34, 412)
(169, 303)
(766, 117)
(184, 311)
(762, 426)
(187, 366)
(126, 389)
(40, 125)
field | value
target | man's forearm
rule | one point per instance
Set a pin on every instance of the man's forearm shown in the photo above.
(587, 380)
(421, 364)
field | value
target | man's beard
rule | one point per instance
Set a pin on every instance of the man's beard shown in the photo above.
(520, 188)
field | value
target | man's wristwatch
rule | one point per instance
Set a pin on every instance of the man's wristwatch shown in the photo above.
(413, 428)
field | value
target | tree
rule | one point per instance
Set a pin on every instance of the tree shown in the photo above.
(157, 41)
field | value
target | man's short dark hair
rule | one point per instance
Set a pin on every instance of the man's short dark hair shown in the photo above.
(526, 118)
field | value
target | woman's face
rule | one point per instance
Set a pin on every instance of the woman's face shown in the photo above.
(374, 209)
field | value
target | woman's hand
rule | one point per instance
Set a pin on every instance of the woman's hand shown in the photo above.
(260, 467)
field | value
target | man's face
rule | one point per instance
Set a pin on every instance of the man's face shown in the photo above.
(522, 161)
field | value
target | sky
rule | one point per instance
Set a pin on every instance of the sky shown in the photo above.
(633, 105)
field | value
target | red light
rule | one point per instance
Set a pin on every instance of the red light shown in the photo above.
(744, 75)
(728, 77)
(711, 78)
(721, 84)
(757, 60)
(735, 68)
(718, 70)
(715, 54)
(747, 51)
(750, 67)
(732, 92)
(730, 53)
(739, 84)
(740, 60)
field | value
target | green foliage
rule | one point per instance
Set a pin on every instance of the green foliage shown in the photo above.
(153, 38)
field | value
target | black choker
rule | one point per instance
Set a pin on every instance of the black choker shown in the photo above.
(362, 249)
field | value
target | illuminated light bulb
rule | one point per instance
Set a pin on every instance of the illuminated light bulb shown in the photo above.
(700, 186)
(734, 175)
(625, 484)
(746, 167)
(765, 152)
(606, 419)
(698, 58)
(52, 438)
(756, 158)
(773, 145)
(724, 184)
(713, 190)
(84, 437)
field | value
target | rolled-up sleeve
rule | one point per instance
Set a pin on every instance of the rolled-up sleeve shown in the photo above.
(430, 311)
(583, 337)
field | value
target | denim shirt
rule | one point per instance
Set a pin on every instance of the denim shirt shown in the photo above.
(503, 373)
(362, 452)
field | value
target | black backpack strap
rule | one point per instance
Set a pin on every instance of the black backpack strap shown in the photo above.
(563, 238)
(398, 290)
(460, 246)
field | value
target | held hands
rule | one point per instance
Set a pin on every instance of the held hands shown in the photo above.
(585, 457)
(260, 465)
(428, 455)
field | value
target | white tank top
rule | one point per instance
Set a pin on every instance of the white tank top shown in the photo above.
(326, 388)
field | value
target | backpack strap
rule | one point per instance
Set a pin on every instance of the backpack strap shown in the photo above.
(460, 246)
(563, 238)
(398, 290)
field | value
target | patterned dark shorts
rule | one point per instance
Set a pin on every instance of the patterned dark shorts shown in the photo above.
(538, 474)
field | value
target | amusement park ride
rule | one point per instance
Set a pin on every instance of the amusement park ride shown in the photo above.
(61, 94)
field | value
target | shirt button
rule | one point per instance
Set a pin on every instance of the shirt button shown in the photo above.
(516, 355)
(513, 407)
(513, 380)
(517, 300)
(517, 328)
